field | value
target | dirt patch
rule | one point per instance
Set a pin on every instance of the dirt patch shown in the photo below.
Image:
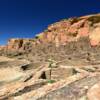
(9, 74)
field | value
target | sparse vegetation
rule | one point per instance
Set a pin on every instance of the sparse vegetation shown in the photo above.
(51, 81)
(52, 64)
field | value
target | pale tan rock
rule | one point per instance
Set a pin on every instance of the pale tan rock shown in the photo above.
(94, 92)
(34, 95)
(95, 36)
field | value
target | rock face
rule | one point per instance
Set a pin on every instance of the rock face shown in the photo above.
(72, 29)
(64, 31)
(16, 44)
(61, 63)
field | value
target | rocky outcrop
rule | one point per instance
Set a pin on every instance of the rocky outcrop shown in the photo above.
(23, 81)
(64, 31)
(2, 47)
(72, 29)
(16, 44)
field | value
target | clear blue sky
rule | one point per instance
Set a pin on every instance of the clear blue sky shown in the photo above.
(25, 18)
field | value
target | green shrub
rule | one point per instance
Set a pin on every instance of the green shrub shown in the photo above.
(51, 81)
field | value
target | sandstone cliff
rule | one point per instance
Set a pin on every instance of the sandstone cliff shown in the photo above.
(72, 29)
(64, 31)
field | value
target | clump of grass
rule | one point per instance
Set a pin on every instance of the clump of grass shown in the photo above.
(51, 81)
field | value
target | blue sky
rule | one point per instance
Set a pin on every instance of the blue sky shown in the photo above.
(25, 18)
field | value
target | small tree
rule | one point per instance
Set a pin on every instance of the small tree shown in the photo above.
(52, 64)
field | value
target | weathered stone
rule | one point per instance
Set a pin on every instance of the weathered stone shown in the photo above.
(94, 92)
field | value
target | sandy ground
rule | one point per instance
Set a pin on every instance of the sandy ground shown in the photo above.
(2, 58)
(9, 74)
